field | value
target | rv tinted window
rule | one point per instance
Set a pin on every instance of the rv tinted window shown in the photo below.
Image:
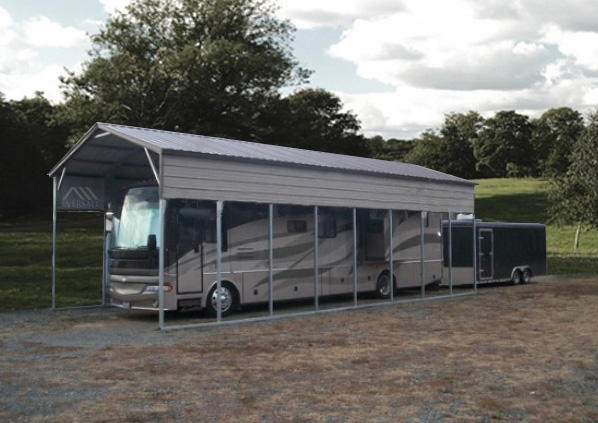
(326, 227)
(296, 226)
(375, 226)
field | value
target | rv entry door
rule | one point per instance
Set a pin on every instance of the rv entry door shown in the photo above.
(190, 250)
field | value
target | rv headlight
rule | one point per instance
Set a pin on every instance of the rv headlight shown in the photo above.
(156, 288)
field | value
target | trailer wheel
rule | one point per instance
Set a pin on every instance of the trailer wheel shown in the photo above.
(527, 275)
(383, 286)
(229, 300)
(517, 278)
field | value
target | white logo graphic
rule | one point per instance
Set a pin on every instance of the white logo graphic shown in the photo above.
(81, 198)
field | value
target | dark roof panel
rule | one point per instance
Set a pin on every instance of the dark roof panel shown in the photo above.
(174, 142)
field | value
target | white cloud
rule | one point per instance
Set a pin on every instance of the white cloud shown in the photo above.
(40, 31)
(112, 6)
(30, 53)
(310, 14)
(580, 46)
(483, 55)
(24, 84)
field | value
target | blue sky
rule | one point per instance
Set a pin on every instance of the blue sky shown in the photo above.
(400, 65)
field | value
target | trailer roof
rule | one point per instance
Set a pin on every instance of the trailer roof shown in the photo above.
(107, 149)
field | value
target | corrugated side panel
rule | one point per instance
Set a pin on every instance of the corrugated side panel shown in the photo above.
(227, 180)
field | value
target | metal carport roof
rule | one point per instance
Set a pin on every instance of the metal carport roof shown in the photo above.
(107, 146)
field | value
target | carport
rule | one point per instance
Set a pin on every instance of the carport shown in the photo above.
(109, 159)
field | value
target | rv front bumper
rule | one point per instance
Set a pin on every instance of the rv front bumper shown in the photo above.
(140, 296)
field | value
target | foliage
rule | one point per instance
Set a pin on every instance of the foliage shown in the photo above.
(451, 149)
(31, 141)
(554, 135)
(313, 119)
(199, 66)
(503, 147)
(392, 149)
(574, 195)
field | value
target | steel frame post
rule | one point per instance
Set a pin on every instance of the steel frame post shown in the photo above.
(161, 253)
(355, 257)
(316, 261)
(450, 252)
(219, 208)
(475, 255)
(390, 257)
(54, 224)
(422, 249)
(271, 258)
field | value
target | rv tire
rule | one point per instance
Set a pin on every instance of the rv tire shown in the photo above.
(229, 300)
(517, 277)
(383, 286)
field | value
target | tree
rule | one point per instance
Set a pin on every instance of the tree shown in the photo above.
(391, 149)
(460, 132)
(574, 195)
(451, 149)
(31, 142)
(199, 66)
(503, 147)
(313, 119)
(554, 135)
(428, 151)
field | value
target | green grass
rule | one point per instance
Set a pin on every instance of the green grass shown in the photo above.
(526, 200)
(26, 262)
(26, 247)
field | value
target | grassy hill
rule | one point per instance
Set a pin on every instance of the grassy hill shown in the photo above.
(525, 200)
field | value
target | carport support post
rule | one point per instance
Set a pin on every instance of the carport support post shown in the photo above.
(316, 262)
(271, 258)
(355, 257)
(475, 255)
(54, 218)
(219, 208)
(422, 249)
(161, 253)
(390, 258)
(450, 252)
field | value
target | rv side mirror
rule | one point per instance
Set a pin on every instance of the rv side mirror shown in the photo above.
(109, 222)
(152, 243)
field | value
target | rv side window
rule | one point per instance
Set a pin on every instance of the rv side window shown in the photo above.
(209, 231)
(375, 226)
(326, 227)
(296, 226)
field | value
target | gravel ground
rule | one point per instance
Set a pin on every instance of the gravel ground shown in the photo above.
(509, 354)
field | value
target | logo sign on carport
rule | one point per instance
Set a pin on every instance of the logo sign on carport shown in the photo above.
(81, 194)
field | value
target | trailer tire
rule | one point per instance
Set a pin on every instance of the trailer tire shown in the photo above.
(229, 300)
(383, 286)
(517, 277)
(527, 275)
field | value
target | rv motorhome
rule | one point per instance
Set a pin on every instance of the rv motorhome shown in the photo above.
(191, 252)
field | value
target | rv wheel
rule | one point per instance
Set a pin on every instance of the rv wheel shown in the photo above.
(517, 277)
(229, 300)
(527, 276)
(383, 286)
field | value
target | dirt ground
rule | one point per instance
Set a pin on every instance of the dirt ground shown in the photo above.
(509, 354)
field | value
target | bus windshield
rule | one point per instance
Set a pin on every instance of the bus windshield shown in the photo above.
(139, 219)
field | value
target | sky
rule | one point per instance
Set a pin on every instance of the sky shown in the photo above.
(399, 65)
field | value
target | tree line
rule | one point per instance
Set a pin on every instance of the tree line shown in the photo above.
(217, 67)
(508, 144)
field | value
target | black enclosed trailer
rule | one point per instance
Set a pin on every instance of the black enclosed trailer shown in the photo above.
(505, 251)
